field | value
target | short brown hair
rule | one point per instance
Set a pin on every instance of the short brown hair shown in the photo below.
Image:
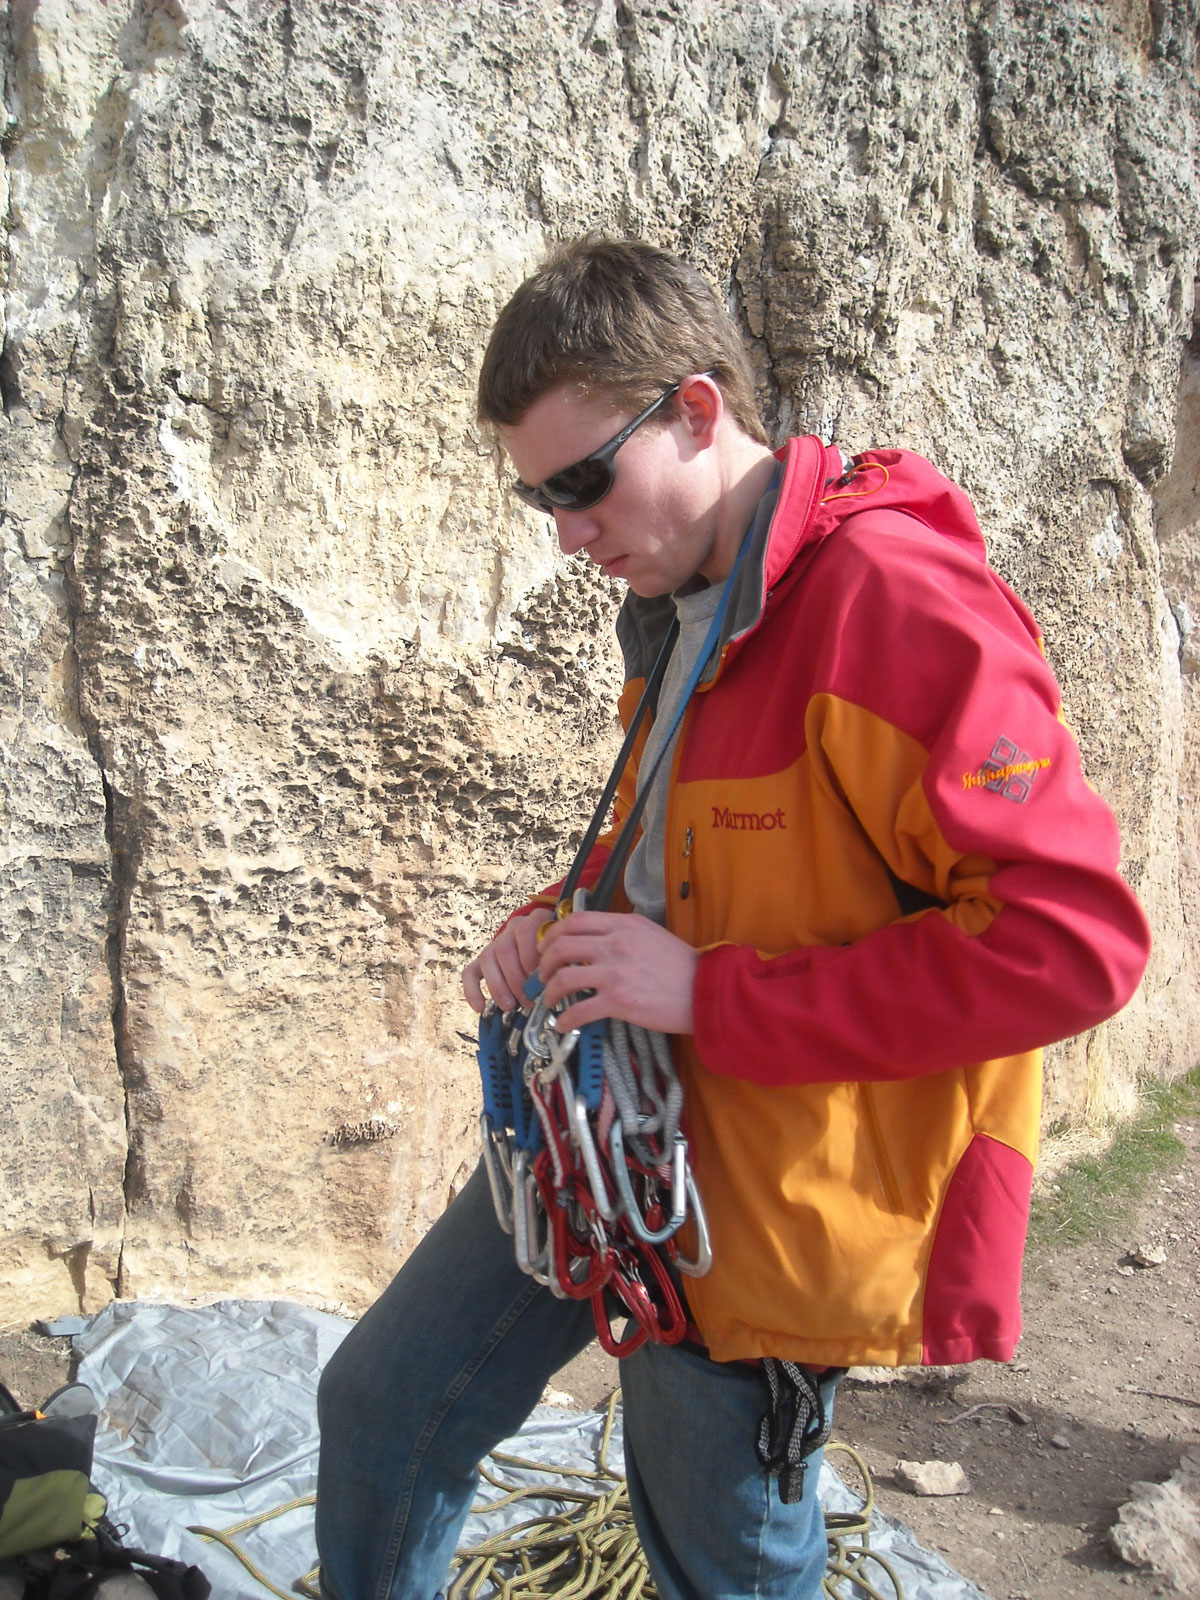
(618, 316)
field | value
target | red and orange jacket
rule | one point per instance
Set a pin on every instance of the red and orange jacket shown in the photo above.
(880, 838)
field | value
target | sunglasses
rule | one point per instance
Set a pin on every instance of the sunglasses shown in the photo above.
(584, 483)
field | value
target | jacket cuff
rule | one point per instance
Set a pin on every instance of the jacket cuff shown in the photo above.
(715, 1041)
(540, 902)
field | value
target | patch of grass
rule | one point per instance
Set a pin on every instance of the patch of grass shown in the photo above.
(1094, 1195)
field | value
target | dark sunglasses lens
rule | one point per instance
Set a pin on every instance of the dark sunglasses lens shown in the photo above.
(579, 486)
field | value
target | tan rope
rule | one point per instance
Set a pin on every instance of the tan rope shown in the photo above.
(589, 1551)
(593, 1552)
(225, 1538)
(847, 1559)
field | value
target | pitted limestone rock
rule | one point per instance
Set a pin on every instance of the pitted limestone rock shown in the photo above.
(295, 701)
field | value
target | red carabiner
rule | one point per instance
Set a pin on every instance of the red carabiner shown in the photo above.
(569, 1249)
(611, 1345)
(568, 1245)
(672, 1327)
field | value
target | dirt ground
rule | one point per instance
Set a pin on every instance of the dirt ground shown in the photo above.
(1104, 1392)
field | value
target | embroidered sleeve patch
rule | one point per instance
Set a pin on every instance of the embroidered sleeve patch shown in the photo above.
(1009, 771)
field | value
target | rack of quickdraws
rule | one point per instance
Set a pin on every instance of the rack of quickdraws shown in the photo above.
(588, 1163)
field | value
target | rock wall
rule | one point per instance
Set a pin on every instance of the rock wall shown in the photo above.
(294, 700)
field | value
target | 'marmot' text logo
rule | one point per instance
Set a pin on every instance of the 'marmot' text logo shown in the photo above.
(747, 821)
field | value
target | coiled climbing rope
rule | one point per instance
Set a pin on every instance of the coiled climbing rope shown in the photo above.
(588, 1549)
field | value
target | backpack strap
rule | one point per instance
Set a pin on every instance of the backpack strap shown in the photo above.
(168, 1578)
(79, 1572)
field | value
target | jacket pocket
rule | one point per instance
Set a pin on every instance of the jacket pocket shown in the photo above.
(884, 1175)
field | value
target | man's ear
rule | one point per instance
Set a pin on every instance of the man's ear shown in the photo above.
(701, 405)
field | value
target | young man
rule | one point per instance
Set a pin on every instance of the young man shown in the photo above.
(874, 884)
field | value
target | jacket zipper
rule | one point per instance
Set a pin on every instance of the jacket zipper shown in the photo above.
(883, 1167)
(686, 914)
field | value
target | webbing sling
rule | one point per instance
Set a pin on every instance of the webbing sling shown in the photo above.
(606, 885)
(603, 805)
(795, 1425)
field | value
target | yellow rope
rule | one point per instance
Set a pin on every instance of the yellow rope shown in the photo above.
(591, 1550)
(225, 1538)
(847, 1558)
(593, 1553)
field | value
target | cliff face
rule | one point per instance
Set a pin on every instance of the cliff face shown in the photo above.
(294, 700)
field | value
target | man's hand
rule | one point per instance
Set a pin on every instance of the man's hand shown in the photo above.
(638, 971)
(505, 964)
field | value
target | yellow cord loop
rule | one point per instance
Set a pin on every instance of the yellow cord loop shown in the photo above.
(589, 1550)
(860, 494)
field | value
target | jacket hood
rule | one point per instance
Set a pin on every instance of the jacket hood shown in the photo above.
(811, 496)
(901, 481)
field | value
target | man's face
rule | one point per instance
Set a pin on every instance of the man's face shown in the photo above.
(654, 527)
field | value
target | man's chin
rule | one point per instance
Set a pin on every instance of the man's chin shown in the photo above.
(647, 588)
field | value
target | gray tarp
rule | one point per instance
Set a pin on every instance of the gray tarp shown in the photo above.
(208, 1416)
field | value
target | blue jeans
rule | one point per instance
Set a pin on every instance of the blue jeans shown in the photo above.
(450, 1361)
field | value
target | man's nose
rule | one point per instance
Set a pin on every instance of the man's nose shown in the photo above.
(575, 529)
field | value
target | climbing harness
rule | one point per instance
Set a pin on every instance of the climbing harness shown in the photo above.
(582, 1132)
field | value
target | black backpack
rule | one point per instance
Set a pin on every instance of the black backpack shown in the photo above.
(55, 1537)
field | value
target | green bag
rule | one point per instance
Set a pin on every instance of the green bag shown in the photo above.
(46, 1497)
(55, 1538)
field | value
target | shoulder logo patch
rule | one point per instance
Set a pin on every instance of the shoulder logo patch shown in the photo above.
(1009, 772)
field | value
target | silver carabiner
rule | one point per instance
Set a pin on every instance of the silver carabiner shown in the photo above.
(497, 1160)
(560, 1050)
(540, 1267)
(581, 1138)
(629, 1205)
(553, 1065)
(535, 1029)
(679, 1170)
(702, 1260)
(524, 1217)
